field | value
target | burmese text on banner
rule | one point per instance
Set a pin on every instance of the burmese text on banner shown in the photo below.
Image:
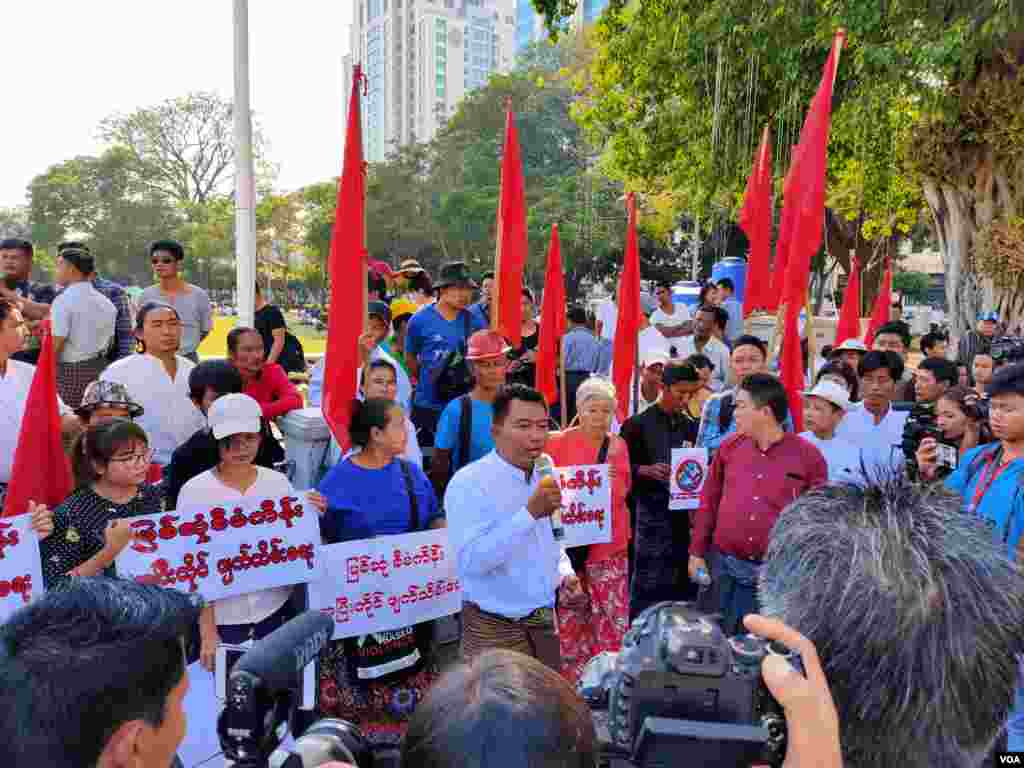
(689, 470)
(586, 505)
(223, 551)
(21, 571)
(387, 583)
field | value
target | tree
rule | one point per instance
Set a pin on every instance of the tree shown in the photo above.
(14, 223)
(181, 149)
(912, 285)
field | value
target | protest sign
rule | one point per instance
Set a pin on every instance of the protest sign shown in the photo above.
(387, 583)
(586, 504)
(223, 551)
(689, 469)
(21, 570)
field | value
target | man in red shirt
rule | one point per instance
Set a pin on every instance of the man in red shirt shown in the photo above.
(755, 474)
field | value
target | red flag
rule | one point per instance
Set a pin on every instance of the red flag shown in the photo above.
(40, 472)
(627, 326)
(778, 273)
(805, 206)
(756, 222)
(507, 313)
(883, 305)
(848, 326)
(552, 322)
(347, 272)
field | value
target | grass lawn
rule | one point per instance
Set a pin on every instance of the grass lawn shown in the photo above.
(216, 344)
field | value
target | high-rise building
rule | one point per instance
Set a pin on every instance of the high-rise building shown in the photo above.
(420, 58)
(529, 25)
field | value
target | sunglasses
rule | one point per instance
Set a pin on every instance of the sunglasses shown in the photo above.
(163, 261)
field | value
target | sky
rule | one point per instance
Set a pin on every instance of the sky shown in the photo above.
(68, 64)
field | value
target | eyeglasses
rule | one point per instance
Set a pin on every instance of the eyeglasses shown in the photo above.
(135, 458)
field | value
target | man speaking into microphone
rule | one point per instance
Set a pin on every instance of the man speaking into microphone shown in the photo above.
(499, 523)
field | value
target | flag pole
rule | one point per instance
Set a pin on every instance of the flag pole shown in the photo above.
(245, 186)
(562, 384)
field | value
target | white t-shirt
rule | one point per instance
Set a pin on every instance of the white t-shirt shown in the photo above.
(170, 416)
(680, 315)
(608, 314)
(207, 490)
(650, 340)
(879, 443)
(841, 456)
(14, 386)
(85, 319)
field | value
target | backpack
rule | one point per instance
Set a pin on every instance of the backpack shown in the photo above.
(465, 432)
(578, 555)
(455, 379)
(293, 356)
(725, 413)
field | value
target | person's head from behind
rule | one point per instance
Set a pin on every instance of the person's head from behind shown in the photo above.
(704, 367)
(893, 337)
(956, 411)
(900, 591)
(983, 367)
(749, 355)
(933, 377)
(380, 380)
(236, 423)
(106, 400)
(680, 382)
(246, 351)
(12, 329)
(933, 345)
(16, 258)
(1006, 403)
(378, 425)
(577, 315)
(879, 373)
(501, 710)
(595, 404)
(94, 675)
(166, 257)
(842, 374)
(114, 453)
(158, 328)
(212, 379)
(726, 288)
(761, 404)
(520, 424)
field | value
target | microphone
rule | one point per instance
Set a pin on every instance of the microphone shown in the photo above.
(279, 658)
(545, 468)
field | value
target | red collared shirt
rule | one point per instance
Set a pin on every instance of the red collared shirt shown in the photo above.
(747, 488)
(274, 392)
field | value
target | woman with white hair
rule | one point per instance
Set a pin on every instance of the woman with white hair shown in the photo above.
(600, 623)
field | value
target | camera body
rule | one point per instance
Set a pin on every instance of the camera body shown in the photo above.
(1007, 350)
(679, 688)
(921, 423)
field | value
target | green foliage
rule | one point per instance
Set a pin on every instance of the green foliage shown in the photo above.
(913, 285)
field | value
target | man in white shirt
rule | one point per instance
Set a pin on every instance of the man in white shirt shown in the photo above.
(509, 563)
(874, 427)
(704, 341)
(83, 325)
(671, 319)
(607, 315)
(824, 409)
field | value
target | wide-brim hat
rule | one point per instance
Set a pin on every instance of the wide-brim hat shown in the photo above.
(454, 273)
(410, 267)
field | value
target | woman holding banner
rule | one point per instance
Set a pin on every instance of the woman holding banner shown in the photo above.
(599, 624)
(375, 680)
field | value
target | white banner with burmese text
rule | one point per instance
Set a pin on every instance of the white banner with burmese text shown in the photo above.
(586, 504)
(21, 571)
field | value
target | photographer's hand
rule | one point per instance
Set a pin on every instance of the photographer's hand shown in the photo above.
(811, 717)
(927, 456)
(209, 639)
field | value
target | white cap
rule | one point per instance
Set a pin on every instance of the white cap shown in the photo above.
(655, 356)
(851, 345)
(834, 393)
(234, 414)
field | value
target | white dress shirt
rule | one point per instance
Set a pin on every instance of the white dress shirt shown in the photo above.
(608, 314)
(84, 318)
(509, 564)
(841, 456)
(170, 416)
(207, 490)
(714, 350)
(879, 443)
(14, 386)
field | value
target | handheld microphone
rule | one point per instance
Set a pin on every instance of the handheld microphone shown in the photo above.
(545, 468)
(279, 658)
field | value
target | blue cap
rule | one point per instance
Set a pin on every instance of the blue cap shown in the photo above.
(986, 316)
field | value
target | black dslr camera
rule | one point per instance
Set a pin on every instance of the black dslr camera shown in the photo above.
(921, 423)
(1007, 349)
(681, 693)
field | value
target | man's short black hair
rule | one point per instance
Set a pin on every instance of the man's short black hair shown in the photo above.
(767, 391)
(749, 340)
(942, 370)
(81, 661)
(896, 328)
(17, 244)
(930, 340)
(1007, 380)
(663, 284)
(876, 359)
(219, 375)
(488, 276)
(506, 394)
(577, 314)
(727, 283)
(173, 247)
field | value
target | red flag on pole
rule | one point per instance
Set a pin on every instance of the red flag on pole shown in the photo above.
(510, 258)
(756, 222)
(805, 204)
(627, 327)
(882, 308)
(347, 272)
(781, 263)
(40, 472)
(848, 326)
(552, 321)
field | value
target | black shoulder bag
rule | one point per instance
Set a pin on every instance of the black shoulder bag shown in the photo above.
(455, 379)
(578, 555)
(387, 656)
(465, 432)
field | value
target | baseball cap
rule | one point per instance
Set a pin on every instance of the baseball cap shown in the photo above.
(851, 345)
(989, 317)
(380, 309)
(654, 357)
(402, 307)
(829, 390)
(234, 414)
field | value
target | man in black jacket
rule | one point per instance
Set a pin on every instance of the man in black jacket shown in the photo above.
(208, 381)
